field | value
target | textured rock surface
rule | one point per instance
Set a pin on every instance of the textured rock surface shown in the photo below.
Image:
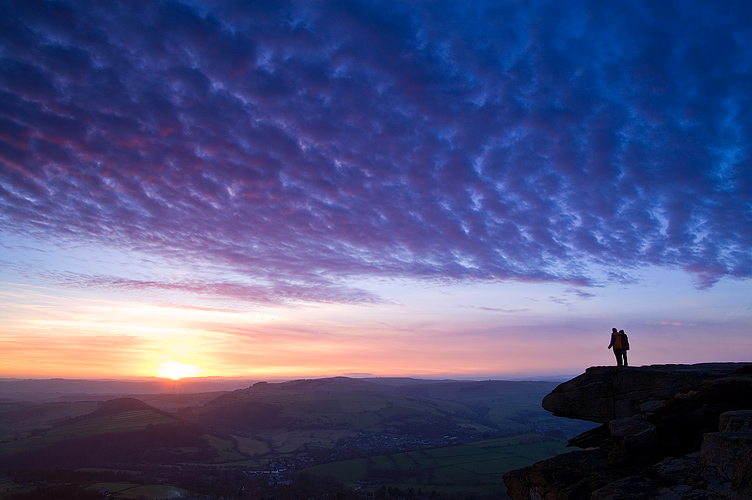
(728, 453)
(633, 432)
(736, 421)
(670, 432)
(604, 393)
(570, 476)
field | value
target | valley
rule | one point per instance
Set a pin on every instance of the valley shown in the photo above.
(364, 434)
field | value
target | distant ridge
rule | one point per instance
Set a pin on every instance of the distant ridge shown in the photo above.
(59, 389)
(65, 389)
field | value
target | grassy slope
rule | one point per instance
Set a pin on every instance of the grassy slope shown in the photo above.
(18, 420)
(105, 424)
(512, 406)
(124, 428)
(284, 410)
(471, 467)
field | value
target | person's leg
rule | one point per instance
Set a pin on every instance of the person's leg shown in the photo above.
(618, 354)
(624, 351)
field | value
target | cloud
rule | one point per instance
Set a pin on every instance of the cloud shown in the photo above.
(309, 144)
(669, 323)
(583, 294)
(276, 293)
(496, 309)
(565, 299)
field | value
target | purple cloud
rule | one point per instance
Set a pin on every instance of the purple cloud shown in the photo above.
(278, 292)
(306, 144)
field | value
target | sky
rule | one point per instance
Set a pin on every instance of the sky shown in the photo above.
(320, 188)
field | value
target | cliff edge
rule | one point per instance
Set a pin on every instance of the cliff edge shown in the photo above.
(676, 432)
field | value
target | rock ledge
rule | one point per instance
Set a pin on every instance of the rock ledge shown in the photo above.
(675, 432)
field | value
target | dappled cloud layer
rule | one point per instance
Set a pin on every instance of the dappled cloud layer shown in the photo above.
(301, 145)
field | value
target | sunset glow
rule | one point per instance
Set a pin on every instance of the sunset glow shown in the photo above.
(177, 370)
(436, 189)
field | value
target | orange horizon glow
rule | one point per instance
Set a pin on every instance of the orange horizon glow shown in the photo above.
(50, 335)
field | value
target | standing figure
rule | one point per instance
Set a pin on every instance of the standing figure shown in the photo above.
(620, 343)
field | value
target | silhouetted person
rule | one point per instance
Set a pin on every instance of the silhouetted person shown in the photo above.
(621, 345)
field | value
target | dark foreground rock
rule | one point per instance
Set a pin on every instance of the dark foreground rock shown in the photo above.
(604, 393)
(572, 475)
(673, 432)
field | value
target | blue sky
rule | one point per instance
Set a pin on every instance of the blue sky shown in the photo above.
(457, 181)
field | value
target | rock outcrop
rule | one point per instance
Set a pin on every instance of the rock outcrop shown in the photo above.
(604, 393)
(668, 432)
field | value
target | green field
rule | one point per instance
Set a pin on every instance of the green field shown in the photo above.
(292, 442)
(119, 490)
(131, 490)
(9, 487)
(251, 447)
(226, 449)
(476, 467)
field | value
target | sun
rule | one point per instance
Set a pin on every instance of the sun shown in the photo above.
(177, 370)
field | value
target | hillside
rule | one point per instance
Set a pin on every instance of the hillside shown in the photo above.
(120, 431)
(355, 416)
(18, 420)
(333, 404)
(508, 406)
(342, 403)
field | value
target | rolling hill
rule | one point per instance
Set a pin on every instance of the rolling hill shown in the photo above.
(289, 418)
(334, 404)
(307, 421)
(117, 432)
